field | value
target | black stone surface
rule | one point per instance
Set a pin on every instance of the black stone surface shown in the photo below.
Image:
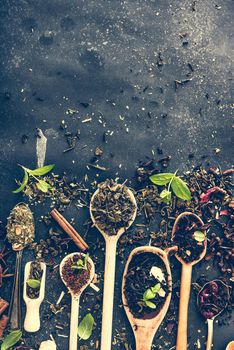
(122, 58)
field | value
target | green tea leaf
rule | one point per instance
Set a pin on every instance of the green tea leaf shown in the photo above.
(149, 294)
(85, 260)
(180, 189)
(43, 186)
(150, 304)
(85, 327)
(161, 179)
(33, 283)
(166, 196)
(199, 236)
(156, 288)
(11, 339)
(23, 183)
(41, 171)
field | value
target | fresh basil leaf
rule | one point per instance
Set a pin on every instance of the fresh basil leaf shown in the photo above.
(149, 294)
(166, 196)
(23, 183)
(150, 304)
(85, 327)
(180, 189)
(161, 179)
(11, 339)
(33, 283)
(41, 171)
(199, 236)
(43, 186)
(156, 288)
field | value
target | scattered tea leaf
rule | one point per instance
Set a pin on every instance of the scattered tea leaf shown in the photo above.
(180, 189)
(199, 236)
(11, 339)
(33, 283)
(85, 327)
(161, 179)
(23, 183)
(42, 171)
(43, 186)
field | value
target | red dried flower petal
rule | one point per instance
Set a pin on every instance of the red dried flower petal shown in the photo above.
(205, 197)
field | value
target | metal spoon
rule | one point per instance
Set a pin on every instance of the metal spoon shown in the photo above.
(210, 321)
(145, 328)
(185, 286)
(75, 299)
(19, 233)
(109, 276)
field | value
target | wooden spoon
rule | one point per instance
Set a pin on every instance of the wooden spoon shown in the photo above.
(145, 328)
(109, 275)
(75, 299)
(210, 321)
(230, 346)
(185, 286)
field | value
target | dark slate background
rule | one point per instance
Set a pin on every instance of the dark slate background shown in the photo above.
(58, 54)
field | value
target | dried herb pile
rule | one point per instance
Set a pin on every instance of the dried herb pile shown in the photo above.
(34, 281)
(75, 278)
(112, 207)
(142, 288)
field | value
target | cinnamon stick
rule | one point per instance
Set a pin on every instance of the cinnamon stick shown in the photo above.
(67, 227)
(3, 305)
(3, 323)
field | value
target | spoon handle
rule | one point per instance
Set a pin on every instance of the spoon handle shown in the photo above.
(185, 287)
(74, 323)
(210, 323)
(108, 295)
(15, 307)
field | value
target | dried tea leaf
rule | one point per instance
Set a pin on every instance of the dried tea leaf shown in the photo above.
(23, 183)
(85, 327)
(180, 189)
(161, 179)
(11, 339)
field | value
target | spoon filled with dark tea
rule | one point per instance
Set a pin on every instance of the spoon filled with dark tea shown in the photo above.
(146, 292)
(77, 272)
(113, 209)
(20, 233)
(212, 299)
(190, 237)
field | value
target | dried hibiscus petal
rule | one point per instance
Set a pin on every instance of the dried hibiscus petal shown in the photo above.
(205, 197)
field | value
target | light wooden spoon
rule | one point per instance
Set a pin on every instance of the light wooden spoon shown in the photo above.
(75, 299)
(185, 286)
(145, 328)
(109, 275)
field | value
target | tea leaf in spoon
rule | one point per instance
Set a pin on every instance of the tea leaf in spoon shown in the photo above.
(11, 339)
(199, 236)
(23, 183)
(149, 294)
(34, 283)
(85, 327)
(156, 288)
(150, 304)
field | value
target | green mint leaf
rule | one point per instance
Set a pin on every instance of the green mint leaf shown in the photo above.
(149, 294)
(180, 189)
(23, 183)
(43, 186)
(150, 304)
(199, 236)
(85, 327)
(161, 179)
(33, 283)
(41, 171)
(11, 339)
(166, 196)
(156, 288)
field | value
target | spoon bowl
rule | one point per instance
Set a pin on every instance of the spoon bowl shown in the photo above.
(144, 328)
(185, 285)
(110, 260)
(210, 321)
(75, 297)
